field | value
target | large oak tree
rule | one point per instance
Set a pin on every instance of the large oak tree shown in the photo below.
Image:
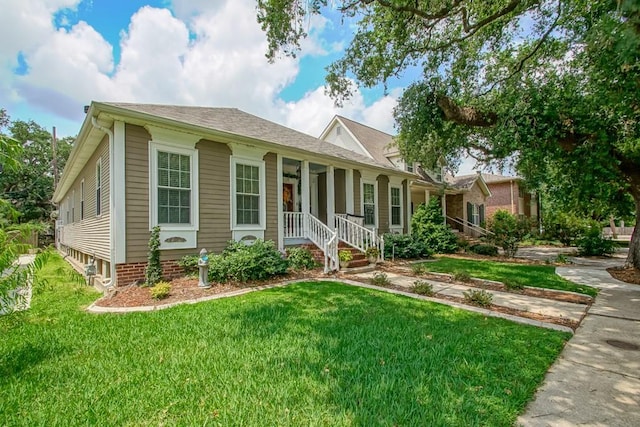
(550, 86)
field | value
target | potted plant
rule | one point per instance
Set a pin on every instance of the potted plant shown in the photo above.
(372, 254)
(345, 256)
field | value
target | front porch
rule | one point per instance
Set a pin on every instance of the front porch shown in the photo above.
(327, 205)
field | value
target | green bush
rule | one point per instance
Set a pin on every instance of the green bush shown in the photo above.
(380, 279)
(461, 276)
(189, 263)
(484, 249)
(428, 228)
(418, 269)
(513, 285)
(241, 262)
(478, 297)
(422, 287)
(563, 226)
(153, 273)
(160, 290)
(300, 259)
(404, 246)
(508, 231)
(591, 243)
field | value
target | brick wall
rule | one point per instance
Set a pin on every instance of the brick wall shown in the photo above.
(501, 198)
(133, 272)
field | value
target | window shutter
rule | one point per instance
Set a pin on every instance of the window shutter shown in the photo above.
(469, 213)
(481, 209)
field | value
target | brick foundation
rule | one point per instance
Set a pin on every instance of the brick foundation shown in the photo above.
(127, 274)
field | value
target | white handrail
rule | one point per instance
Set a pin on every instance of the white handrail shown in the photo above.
(358, 236)
(323, 237)
(477, 228)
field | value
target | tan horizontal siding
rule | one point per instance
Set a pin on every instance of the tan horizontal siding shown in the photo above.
(356, 193)
(271, 173)
(383, 204)
(91, 234)
(214, 197)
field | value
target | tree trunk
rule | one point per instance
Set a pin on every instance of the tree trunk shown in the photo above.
(633, 259)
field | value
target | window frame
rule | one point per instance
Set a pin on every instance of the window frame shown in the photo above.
(192, 153)
(262, 201)
(73, 205)
(374, 184)
(400, 206)
(99, 187)
(82, 200)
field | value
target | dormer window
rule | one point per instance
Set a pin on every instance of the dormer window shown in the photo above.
(409, 167)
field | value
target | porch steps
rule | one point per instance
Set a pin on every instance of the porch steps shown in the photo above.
(358, 261)
(355, 270)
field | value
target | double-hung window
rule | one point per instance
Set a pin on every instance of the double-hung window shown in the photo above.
(247, 194)
(174, 188)
(369, 203)
(81, 200)
(396, 207)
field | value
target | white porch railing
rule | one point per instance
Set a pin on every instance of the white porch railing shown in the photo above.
(470, 226)
(306, 226)
(358, 236)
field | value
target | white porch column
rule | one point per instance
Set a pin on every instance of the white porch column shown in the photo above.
(348, 177)
(407, 212)
(444, 208)
(331, 197)
(427, 196)
(280, 198)
(304, 185)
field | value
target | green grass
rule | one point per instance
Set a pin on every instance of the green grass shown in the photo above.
(537, 276)
(314, 353)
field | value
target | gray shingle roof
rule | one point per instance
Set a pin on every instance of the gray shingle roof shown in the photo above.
(491, 178)
(376, 142)
(238, 122)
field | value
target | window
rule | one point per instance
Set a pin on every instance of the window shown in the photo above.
(81, 200)
(338, 130)
(409, 167)
(439, 175)
(66, 203)
(396, 207)
(174, 188)
(369, 203)
(247, 194)
(99, 187)
(475, 220)
(73, 206)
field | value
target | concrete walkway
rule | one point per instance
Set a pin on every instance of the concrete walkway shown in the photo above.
(596, 379)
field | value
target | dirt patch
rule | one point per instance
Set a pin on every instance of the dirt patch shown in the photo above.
(186, 288)
(629, 275)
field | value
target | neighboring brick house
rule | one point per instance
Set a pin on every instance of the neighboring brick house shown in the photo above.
(508, 193)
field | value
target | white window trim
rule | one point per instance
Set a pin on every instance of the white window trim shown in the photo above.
(235, 160)
(375, 200)
(82, 206)
(193, 225)
(391, 224)
(73, 205)
(99, 175)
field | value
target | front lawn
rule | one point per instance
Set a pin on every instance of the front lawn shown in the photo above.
(314, 353)
(537, 276)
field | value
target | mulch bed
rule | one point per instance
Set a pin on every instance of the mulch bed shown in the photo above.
(629, 275)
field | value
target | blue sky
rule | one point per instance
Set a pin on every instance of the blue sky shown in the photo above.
(196, 52)
(59, 55)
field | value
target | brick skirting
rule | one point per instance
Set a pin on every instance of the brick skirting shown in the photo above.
(127, 274)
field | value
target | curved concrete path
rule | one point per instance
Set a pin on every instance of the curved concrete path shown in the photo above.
(596, 379)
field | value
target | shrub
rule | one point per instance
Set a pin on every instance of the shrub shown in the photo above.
(153, 273)
(562, 259)
(242, 262)
(563, 226)
(593, 244)
(345, 255)
(404, 246)
(418, 269)
(478, 297)
(428, 227)
(372, 252)
(513, 285)
(508, 231)
(160, 290)
(189, 263)
(484, 249)
(380, 279)
(422, 287)
(300, 259)
(461, 276)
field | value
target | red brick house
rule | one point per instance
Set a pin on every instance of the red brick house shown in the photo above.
(508, 193)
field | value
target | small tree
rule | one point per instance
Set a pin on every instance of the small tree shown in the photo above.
(153, 273)
(507, 230)
(427, 225)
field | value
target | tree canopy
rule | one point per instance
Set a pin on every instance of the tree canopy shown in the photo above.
(550, 87)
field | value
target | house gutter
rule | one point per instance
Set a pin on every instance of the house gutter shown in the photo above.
(112, 244)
